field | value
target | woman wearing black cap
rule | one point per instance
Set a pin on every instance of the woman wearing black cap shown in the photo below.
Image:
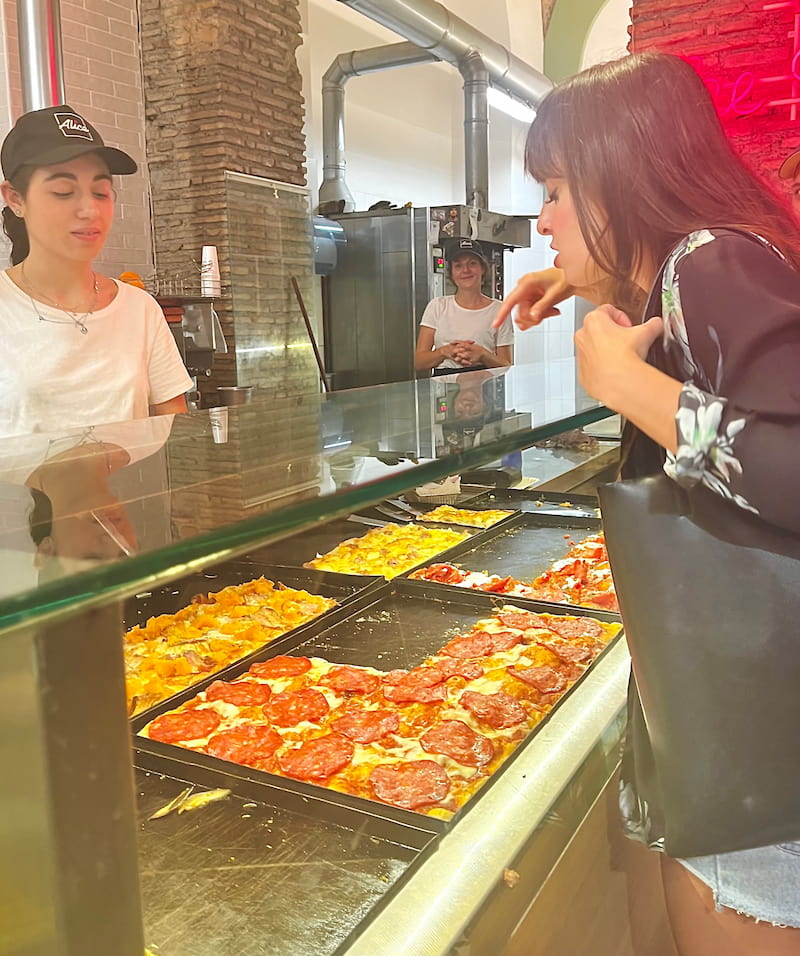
(78, 348)
(456, 330)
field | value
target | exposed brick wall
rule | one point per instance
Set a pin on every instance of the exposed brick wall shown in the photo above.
(102, 79)
(736, 45)
(222, 92)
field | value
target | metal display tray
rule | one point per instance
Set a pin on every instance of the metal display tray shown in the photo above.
(425, 505)
(206, 875)
(522, 549)
(561, 503)
(173, 597)
(416, 619)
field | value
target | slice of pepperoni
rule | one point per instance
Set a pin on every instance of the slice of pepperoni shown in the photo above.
(351, 680)
(474, 644)
(292, 707)
(455, 739)
(498, 710)
(405, 693)
(418, 783)
(187, 725)
(500, 586)
(504, 640)
(576, 627)
(442, 573)
(364, 726)
(544, 679)
(568, 653)
(453, 667)
(317, 759)
(393, 677)
(553, 595)
(571, 672)
(523, 620)
(423, 676)
(606, 600)
(242, 693)
(282, 666)
(250, 744)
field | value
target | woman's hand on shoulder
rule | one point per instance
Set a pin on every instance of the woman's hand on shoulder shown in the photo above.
(535, 297)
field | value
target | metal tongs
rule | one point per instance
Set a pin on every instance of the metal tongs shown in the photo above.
(405, 506)
(394, 508)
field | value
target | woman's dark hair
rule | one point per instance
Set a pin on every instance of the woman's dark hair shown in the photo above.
(14, 226)
(639, 142)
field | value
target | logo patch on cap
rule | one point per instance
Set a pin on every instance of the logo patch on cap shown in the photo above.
(73, 126)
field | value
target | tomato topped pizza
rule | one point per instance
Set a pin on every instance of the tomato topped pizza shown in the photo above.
(387, 551)
(474, 519)
(582, 577)
(421, 739)
(173, 651)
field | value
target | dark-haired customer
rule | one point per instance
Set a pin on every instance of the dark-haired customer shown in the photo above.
(79, 348)
(642, 202)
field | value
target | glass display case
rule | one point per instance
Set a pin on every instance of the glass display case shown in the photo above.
(99, 522)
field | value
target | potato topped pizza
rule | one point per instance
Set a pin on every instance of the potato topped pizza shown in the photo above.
(387, 551)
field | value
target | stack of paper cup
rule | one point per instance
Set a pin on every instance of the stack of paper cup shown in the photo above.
(219, 424)
(209, 272)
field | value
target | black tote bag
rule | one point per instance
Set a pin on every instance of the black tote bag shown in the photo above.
(710, 602)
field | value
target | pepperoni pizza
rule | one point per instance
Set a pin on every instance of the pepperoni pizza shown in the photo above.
(422, 739)
(582, 577)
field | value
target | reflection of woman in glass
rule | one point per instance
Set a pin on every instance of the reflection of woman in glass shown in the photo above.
(456, 330)
(63, 498)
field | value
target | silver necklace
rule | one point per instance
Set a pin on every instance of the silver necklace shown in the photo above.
(79, 321)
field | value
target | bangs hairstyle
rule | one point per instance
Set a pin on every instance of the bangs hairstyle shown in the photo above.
(641, 147)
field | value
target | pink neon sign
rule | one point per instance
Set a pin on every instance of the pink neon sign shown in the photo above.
(748, 93)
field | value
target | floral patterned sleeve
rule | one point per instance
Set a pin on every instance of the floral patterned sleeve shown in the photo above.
(731, 308)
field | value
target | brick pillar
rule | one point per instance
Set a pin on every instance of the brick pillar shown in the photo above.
(736, 45)
(222, 92)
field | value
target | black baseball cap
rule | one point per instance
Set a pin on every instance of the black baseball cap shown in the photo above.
(466, 247)
(57, 134)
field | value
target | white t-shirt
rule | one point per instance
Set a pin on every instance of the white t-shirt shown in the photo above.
(53, 377)
(451, 322)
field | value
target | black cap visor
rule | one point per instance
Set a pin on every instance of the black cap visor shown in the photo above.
(119, 163)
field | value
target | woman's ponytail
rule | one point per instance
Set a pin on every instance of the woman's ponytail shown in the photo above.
(16, 230)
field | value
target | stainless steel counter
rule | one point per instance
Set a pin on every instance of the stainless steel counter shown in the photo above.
(245, 878)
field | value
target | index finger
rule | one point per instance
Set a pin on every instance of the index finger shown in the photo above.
(511, 300)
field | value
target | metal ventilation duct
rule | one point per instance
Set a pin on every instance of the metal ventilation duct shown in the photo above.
(431, 26)
(345, 66)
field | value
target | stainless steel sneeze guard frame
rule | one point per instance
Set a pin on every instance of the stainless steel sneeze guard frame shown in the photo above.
(448, 889)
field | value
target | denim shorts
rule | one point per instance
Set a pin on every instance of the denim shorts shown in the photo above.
(763, 883)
